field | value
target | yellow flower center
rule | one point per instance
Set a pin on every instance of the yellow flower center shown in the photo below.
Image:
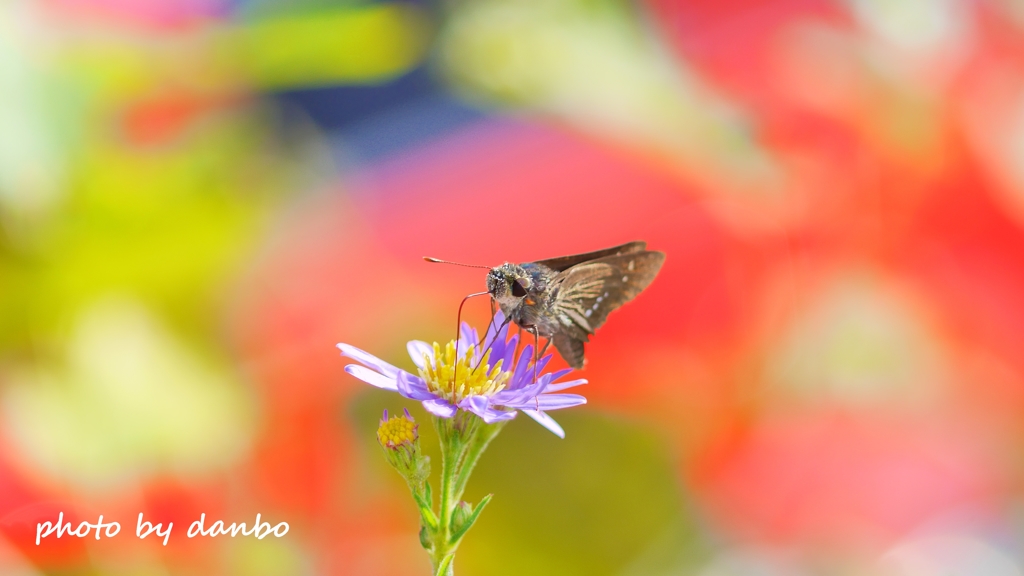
(397, 431)
(454, 378)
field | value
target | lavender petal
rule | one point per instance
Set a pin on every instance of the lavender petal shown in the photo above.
(520, 376)
(510, 351)
(550, 402)
(559, 373)
(565, 385)
(546, 421)
(480, 405)
(419, 351)
(368, 360)
(413, 387)
(492, 327)
(439, 407)
(372, 378)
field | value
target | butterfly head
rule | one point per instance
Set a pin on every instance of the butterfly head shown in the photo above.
(509, 284)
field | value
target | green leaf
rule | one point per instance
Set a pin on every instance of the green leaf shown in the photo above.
(429, 518)
(459, 531)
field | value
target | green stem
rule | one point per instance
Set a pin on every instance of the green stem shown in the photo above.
(463, 440)
(453, 449)
(449, 459)
(447, 566)
(478, 444)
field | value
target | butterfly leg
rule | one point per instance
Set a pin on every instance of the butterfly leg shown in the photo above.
(519, 340)
(545, 349)
(536, 358)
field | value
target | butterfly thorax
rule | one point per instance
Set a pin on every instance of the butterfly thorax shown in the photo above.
(523, 293)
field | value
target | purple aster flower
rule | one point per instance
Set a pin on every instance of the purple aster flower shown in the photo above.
(487, 380)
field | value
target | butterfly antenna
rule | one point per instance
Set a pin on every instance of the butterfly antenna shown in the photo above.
(439, 261)
(458, 330)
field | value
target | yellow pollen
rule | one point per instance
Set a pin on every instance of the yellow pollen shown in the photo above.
(396, 432)
(454, 381)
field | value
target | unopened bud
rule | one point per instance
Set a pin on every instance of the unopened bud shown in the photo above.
(398, 431)
(399, 436)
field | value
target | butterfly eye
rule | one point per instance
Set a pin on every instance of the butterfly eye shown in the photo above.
(517, 289)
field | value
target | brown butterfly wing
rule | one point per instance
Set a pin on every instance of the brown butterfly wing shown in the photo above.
(571, 349)
(587, 293)
(565, 262)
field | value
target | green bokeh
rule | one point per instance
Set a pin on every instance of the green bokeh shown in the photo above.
(605, 500)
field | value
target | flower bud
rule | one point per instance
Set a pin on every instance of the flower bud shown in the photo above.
(462, 513)
(400, 439)
(398, 431)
